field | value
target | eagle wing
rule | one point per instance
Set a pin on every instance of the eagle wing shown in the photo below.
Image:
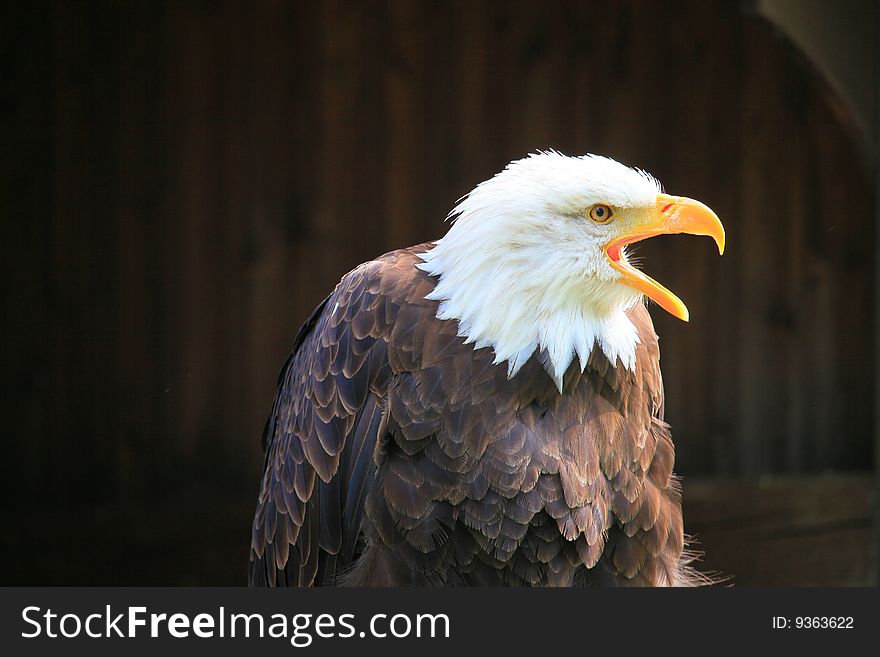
(321, 433)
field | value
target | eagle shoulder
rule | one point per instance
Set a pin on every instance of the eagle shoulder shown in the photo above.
(320, 435)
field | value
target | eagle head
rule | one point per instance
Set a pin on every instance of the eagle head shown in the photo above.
(536, 261)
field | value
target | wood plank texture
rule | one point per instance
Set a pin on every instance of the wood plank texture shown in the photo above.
(181, 182)
(797, 531)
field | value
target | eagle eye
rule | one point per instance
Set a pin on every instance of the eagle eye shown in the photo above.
(600, 213)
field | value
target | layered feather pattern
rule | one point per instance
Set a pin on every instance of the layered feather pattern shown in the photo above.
(396, 454)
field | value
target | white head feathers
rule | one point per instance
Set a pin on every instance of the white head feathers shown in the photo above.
(522, 269)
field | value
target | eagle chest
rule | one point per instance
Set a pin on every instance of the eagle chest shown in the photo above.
(528, 480)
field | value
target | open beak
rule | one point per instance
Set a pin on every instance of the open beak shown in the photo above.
(671, 215)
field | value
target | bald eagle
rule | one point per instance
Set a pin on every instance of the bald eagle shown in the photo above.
(487, 409)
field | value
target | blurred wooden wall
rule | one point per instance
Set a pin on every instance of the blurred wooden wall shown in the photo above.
(181, 182)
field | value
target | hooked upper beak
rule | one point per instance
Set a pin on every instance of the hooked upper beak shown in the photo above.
(670, 215)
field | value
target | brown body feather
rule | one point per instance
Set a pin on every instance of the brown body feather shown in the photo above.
(398, 455)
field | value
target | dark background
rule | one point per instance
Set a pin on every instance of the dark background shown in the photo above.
(181, 182)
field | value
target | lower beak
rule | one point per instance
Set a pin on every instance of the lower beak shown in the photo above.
(671, 215)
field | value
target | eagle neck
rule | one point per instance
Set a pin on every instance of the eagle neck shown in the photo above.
(522, 308)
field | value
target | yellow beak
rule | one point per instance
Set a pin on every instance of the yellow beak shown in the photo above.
(671, 215)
